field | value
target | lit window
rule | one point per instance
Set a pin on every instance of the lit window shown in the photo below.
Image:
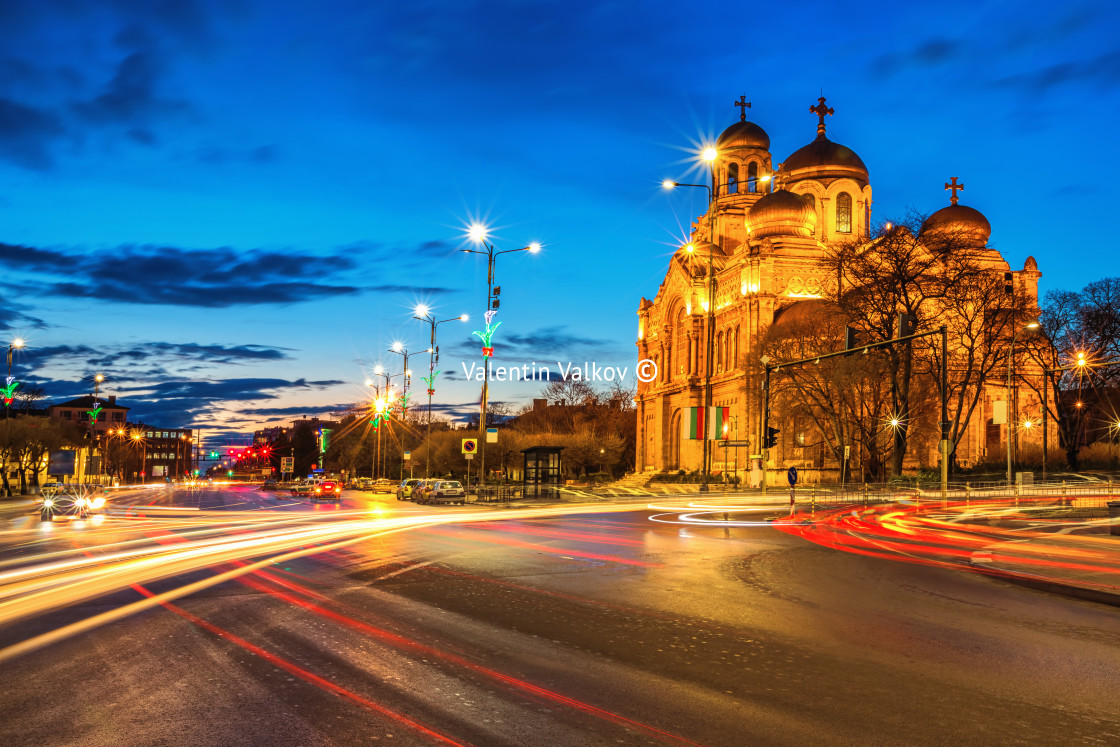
(843, 213)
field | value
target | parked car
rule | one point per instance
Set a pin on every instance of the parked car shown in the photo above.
(404, 490)
(327, 490)
(71, 500)
(364, 483)
(420, 491)
(446, 491)
(384, 486)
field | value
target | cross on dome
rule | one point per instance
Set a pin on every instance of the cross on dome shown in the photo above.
(955, 187)
(743, 105)
(821, 110)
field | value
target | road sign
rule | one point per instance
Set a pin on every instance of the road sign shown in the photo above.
(792, 476)
(847, 452)
(470, 445)
(408, 455)
(491, 435)
(468, 457)
(287, 464)
(734, 444)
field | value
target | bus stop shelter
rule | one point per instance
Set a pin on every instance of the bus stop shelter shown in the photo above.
(541, 476)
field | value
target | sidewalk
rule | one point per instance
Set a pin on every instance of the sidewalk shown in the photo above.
(1086, 566)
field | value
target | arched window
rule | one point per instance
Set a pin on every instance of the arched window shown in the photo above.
(752, 177)
(719, 351)
(811, 199)
(867, 217)
(843, 213)
(681, 363)
(735, 360)
(732, 178)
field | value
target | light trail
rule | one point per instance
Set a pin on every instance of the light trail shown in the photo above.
(37, 584)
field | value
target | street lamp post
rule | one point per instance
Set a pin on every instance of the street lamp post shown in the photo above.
(381, 406)
(478, 234)
(423, 313)
(9, 389)
(1010, 415)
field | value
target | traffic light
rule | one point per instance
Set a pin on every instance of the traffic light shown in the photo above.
(771, 439)
(904, 325)
(497, 292)
(849, 338)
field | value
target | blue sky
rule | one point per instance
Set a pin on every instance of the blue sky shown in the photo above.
(230, 208)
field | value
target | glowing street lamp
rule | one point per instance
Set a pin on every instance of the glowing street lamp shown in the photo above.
(479, 235)
(424, 314)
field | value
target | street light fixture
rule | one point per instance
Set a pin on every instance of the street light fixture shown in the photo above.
(1011, 416)
(424, 314)
(709, 155)
(479, 234)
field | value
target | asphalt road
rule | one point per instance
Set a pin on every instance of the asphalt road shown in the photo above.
(584, 629)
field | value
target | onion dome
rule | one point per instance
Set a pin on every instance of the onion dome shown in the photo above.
(743, 134)
(1030, 265)
(781, 213)
(958, 223)
(824, 159)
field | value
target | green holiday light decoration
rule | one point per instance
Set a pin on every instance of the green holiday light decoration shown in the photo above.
(402, 403)
(431, 382)
(8, 390)
(95, 411)
(488, 334)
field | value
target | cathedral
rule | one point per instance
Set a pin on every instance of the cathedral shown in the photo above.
(757, 251)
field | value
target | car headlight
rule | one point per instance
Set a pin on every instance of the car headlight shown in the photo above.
(48, 503)
(82, 502)
(98, 502)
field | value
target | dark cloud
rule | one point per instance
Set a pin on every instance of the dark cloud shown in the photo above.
(14, 317)
(215, 278)
(320, 411)
(538, 346)
(1103, 71)
(27, 134)
(130, 96)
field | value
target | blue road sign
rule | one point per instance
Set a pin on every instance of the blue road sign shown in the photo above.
(792, 476)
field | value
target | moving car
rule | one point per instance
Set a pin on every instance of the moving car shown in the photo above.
(404, 490)
(446, 491)
(268, 484)
(71, 501)
(384, 486)
(302, 488)
(327, 490)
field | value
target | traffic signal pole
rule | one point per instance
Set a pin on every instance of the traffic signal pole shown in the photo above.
(944, 446)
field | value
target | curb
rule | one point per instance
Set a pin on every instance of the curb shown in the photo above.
(1041, 584)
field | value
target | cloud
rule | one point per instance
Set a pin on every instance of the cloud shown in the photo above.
(540, 345)
(211, 278)
(208, 278)
(27, 134)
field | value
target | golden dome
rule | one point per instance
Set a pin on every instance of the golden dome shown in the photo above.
(781, 213)
(743, 134)
(824, 159)
(959, 223)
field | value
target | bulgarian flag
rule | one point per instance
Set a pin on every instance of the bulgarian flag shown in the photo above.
(694, 422)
